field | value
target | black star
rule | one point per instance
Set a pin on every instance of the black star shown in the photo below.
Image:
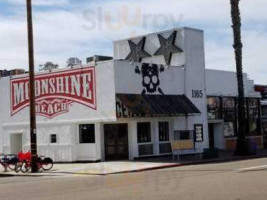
(167, 47)
(137, 51)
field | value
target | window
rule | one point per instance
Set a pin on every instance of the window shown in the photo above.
(144, 132)
(228, 129)
(229, 116)
(163, 131)
(264, 128)
(53, 138)
(145, 149)
(214, 107)
(182, 135)
(253, 116)
(229, 111)
(253, 108)
(264, 111)
(87, 133)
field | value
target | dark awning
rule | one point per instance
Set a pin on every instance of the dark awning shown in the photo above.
(158, 105)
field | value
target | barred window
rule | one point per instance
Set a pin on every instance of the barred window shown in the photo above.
(144, 132)
(163, 131)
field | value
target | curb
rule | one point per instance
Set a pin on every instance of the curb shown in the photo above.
(2, 175)
(219, 160)
(191, 163)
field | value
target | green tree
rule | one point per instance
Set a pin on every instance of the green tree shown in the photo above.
(48, 66)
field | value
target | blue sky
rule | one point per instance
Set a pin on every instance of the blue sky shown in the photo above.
(67, 28)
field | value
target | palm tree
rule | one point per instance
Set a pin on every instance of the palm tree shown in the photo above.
(242, 145)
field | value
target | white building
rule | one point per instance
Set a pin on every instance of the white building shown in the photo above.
(120, 109)
(221, 87)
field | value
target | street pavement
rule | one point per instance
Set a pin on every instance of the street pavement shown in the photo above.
(236, 180)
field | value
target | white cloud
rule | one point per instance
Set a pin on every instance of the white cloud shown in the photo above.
(91, 26)
(40, 2)
(221, 55)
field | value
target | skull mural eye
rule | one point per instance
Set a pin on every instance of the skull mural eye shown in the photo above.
(146, 80)
(155, 79)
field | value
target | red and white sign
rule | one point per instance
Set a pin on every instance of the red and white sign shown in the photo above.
(55, 91)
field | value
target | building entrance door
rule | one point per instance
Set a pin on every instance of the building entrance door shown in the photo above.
(211, 136)
(15, 143)
(116, 142)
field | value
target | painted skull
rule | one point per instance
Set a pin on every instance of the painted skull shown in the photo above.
(150, 74)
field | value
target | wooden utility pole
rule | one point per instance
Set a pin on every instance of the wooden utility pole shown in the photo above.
(32, 89)
(242, 145)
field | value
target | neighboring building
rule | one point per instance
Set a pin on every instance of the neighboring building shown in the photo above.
(222, 95)
(263, 90)
(96, 58)
(13, 72)
(122, 108)
(264, 121)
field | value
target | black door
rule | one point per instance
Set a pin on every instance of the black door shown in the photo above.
(116, 141)
(211, 136)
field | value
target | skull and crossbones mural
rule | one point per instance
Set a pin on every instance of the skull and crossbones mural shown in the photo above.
(150, 75)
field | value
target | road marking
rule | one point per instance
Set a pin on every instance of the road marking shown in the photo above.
(253, 168)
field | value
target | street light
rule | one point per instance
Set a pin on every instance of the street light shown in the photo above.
(32, 89)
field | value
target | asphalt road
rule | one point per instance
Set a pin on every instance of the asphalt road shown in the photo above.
(242, 180)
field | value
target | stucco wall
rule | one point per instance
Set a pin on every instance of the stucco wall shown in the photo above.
(185, 75)
(122, 49)
(195, 79)
(105, 97)
(224, 83)
(129, 82)
(66, 125)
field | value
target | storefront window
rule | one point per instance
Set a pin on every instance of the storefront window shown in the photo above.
(264, 111)
(229, 116)
(264, 128)
(163, 131)
(144, 132)
(228, 108)
(228, 129)
(214, 106)
(87, 133)
(253, 116)
(253, 127)
(182, 135)
(253, 108)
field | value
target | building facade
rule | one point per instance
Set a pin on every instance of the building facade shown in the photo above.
(222, 105)
(155, 90)
(263, 91)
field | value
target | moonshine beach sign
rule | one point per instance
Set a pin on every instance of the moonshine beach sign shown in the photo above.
(55, 91)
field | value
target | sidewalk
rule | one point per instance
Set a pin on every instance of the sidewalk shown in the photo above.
(118, 167)
(102, 168)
